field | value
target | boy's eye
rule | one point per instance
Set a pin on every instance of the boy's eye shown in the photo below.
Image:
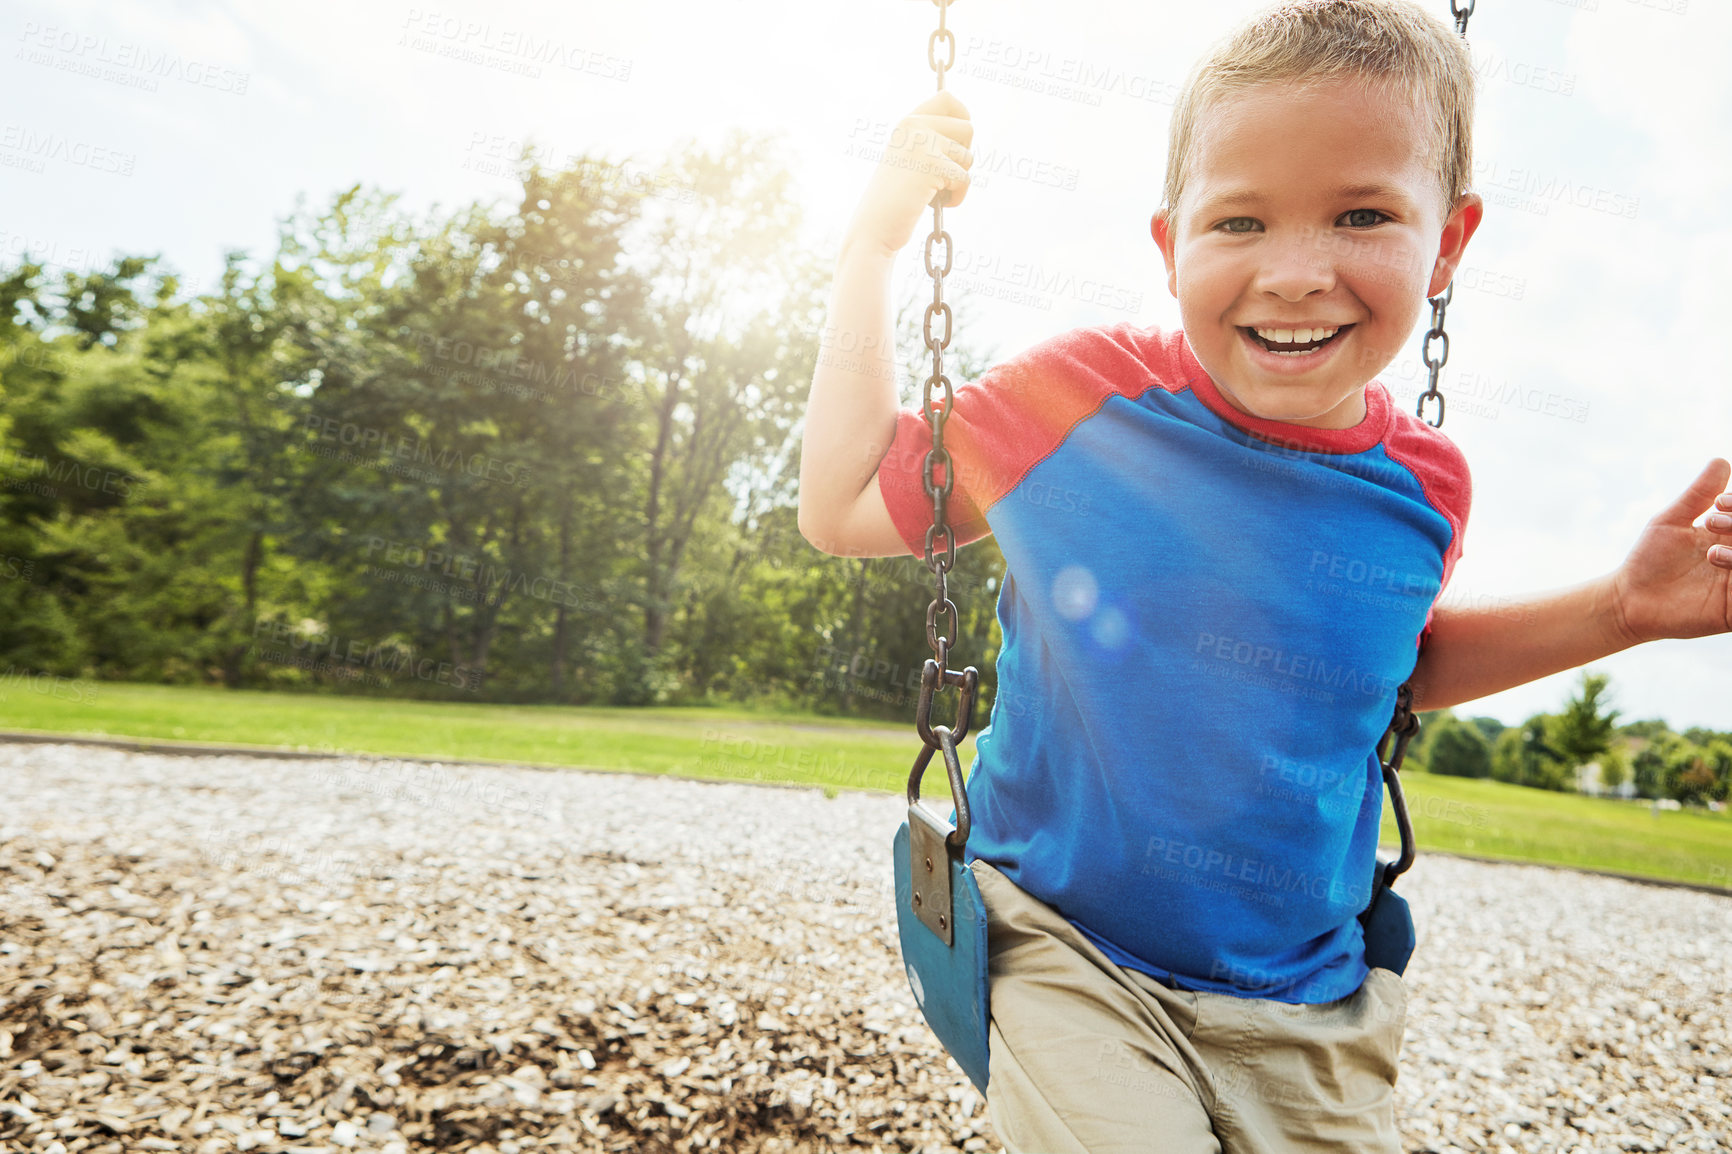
(1238, 224)
(1362, 218)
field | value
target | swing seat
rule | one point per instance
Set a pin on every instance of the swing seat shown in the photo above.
(1388, 925)
(949, 980)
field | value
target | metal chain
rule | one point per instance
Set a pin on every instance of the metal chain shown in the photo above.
(937, 411)
(936, 672)
(1404, 725)
(1434, 364)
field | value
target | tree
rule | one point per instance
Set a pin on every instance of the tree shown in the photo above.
(1648, 766)
(1584, 729)
(1720, 760)
(563, 254)
(1614, 768)
(1431, 724)
(1460, 751)
(1690, 775)
(1646, 730)
(302, 458)
(720, 365)
(1489, 727)
(1524, 756)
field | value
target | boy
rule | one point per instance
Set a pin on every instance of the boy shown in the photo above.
(1175, 824)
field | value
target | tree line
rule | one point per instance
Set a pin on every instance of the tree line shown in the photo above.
(1581, 748)
(544, 452)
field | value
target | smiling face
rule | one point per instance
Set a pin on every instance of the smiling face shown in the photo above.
(1308, 236)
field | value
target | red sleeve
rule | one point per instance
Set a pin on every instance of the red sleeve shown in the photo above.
(1015, 416)
(1443, 476)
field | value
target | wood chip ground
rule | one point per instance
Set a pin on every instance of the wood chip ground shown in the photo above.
(216, 954)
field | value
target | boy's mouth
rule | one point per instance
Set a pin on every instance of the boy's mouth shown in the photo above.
(1293, 342)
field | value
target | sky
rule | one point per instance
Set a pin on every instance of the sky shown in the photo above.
(1585, 378)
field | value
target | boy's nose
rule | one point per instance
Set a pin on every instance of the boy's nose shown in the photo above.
(1292, 268)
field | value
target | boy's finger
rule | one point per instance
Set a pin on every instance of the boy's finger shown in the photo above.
(955, 183)
(1709, 483)
(947, 147)
(961, 131)
(943, 103)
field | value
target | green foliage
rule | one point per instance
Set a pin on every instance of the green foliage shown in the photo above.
(1668, 764)
(1460, 750)
(1524, 755)
(1419, 749)
(1614, 768)
(1584, 729)
(1489, 728)
(1433, 725)
(1719, 758)
(1696, 774)
(1648, 767)
(543, 451)
(1689, 775)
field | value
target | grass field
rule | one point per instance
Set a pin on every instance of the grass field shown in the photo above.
(1480, 818)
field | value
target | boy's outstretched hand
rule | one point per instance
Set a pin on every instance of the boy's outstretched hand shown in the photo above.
(1677, 581)
(925, 152)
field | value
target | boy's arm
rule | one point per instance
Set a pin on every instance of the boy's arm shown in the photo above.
(1676, 582)
(851, 411)
(851, 414)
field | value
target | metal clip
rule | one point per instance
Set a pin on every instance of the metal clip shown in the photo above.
(1402, 727)
(933, 843)
(931, 676)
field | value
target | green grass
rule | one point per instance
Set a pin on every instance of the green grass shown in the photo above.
(1479, 818)
(724, 744)
(1491, 819)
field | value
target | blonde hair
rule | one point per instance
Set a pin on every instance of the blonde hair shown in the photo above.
(1392, 41)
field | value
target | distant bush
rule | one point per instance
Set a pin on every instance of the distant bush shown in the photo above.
(1461, 751)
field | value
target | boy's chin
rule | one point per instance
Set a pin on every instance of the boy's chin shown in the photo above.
(1307, 407)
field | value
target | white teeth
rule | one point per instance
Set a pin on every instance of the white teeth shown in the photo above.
(1296, 336)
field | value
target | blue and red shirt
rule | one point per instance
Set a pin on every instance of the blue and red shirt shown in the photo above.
(1205, 619)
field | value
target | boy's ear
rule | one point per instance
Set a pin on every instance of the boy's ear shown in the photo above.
(1457, 231)
(1160, 227)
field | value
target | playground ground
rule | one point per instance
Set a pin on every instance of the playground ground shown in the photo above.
(223, 953)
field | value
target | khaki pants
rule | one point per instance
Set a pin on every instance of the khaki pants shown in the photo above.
(1089, 1058)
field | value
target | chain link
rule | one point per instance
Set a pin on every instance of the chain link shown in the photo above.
(1434, 362)
(1461, 12)
(943, 35)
